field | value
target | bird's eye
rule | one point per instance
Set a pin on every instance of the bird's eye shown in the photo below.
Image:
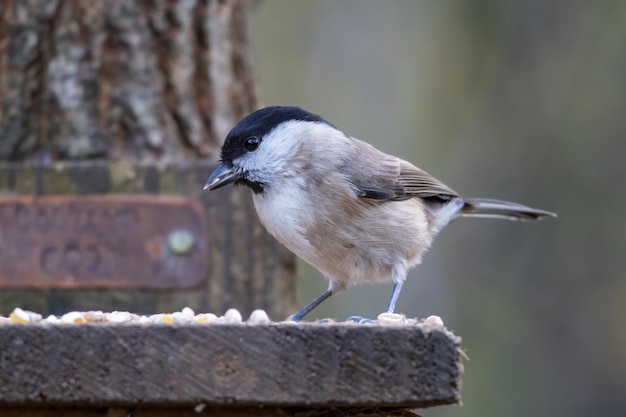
(252, 143)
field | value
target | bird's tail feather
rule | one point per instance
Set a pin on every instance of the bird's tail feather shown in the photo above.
(484, 207)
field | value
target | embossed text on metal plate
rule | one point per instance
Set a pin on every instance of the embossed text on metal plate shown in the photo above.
(102, 241)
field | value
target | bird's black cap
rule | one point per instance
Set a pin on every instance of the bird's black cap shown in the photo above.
(261, 122)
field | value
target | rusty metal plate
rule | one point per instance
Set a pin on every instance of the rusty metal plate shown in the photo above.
(104, 241)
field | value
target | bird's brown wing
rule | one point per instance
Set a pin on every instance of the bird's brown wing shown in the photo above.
(380, 176)
(417, 183)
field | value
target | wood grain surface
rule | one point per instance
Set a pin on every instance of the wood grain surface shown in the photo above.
(305, 365)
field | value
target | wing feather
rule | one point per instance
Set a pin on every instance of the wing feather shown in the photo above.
(418, 183)
(380, 176)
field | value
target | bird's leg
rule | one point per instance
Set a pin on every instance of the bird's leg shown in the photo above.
(399, 275)
(397, 287)
(297, 316)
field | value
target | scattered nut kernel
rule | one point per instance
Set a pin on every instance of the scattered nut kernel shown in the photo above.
(232, 316)
(51, 319)
(179, 317)
(95, 317)
(187, 316)
(433, 321)
(188, 312)
(155, 318)
(118, 317)
(205, 318)
(19, 316)
(73, 317)
(167, 318)
(290, 323)
(259, 316)
(391, 319)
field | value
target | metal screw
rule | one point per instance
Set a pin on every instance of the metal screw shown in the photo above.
(180, 241)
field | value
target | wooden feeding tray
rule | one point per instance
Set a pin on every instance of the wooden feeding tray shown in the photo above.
(228, 369)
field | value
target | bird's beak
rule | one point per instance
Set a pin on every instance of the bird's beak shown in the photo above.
(224, 174)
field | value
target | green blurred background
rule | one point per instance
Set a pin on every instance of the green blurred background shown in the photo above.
(518, 100)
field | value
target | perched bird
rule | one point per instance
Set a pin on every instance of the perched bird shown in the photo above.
(353, 212)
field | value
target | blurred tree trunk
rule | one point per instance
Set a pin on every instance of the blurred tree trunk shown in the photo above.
(145, 84)
(137, 80)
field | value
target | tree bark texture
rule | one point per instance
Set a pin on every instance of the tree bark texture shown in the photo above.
(148, 80)
(121, 96)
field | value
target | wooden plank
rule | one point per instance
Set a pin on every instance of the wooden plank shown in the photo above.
(211, 411)
(116, 241)
(280, 365)
(247, 268)
(202, 410)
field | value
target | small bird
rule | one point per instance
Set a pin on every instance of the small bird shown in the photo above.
(353, 212)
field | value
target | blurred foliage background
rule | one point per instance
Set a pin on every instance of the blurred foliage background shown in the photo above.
(516, 100)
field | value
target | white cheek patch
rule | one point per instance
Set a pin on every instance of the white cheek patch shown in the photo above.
(279, 156)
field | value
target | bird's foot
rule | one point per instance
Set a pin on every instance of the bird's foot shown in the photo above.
(385, 319)
(361, 320)
(294, 317)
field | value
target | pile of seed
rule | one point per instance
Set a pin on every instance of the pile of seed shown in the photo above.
(187, 316)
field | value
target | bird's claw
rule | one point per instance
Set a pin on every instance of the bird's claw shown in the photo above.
(361, 320)
(294, 318)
